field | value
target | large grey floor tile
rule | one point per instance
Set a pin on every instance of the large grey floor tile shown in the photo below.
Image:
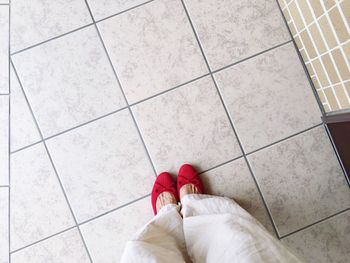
(102, 165)
(38, 20)
(268, 97)
(4, 49)
(189, 125)
(4, 225)
(106, 236)
(38, 206)
(326, 242)
(68, 81)
(4, 139)
(232, 30)
(301, 180)
(233, 180)
(152, 48)
(104, 8)
(65, 247)
(23, 129)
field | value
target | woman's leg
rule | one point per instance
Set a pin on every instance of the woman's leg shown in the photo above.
(161, 240)
(217, 229)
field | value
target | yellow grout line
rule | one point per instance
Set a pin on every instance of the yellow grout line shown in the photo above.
(338, 83)
(341, 50)
(330, 49)
(318, 55)
(308, 56)
(316, 49)
(316, 19)
(337, 3)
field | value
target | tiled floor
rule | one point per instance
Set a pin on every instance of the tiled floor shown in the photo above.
(106, 94)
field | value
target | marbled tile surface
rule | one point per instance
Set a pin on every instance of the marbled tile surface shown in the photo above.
(35, 21)
(234, 180)
(233, 30)
(325, 242)
(152, 48)
(101, 149)
(4, 49)
(273, 106)
(4, 223)
(68, 81)
(106, 236)
(100, 163)
(104, 8)
(38, 206)
(65, 247)
(301, 180)
(188, 124)
(4, 140)
(23, 128)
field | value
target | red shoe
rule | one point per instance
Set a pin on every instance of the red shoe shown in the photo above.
(163, 183)
(188, 175)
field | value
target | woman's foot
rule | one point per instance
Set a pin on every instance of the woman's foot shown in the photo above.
(188, 181)
(163, 192)
(164, 199)
(188, 189)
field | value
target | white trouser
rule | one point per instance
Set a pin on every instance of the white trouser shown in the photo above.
(213, 229)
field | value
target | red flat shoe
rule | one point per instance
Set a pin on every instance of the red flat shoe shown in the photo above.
(163, 183)
(188, 175)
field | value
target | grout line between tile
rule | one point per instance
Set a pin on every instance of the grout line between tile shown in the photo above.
(252, 56)
(332, 27)
(318, 53)
(83, 124)
(221, 164)
(82, 223)
(329, 50)
(262, 196)
(50, 39)
(9, 173)
(108, 114)
(5, 186)
(315, 223)
(114, 209)
(79, 28)
(124, 11)
(229, 119)
(284, 139)
(169, 90)
(143, 142)
(90, 12)
(9, 135)
(261, 148)
(122, 91)
(51, 160)
(25, 147)
(302, 62)
(146, 99)
(121, 109)
(43, 239)
(320, 104)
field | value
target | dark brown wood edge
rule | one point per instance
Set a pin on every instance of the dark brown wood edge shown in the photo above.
(338, 116)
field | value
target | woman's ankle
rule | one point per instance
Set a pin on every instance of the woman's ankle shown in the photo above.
(164, 199)
(188, 189)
